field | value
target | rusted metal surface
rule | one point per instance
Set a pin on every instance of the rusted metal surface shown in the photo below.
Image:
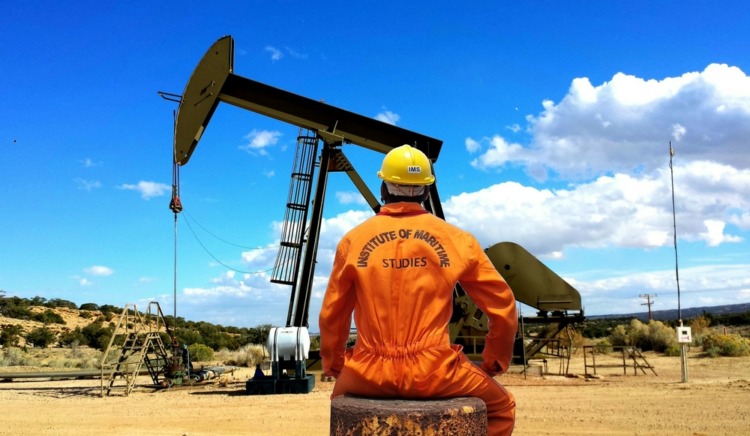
(351, 416)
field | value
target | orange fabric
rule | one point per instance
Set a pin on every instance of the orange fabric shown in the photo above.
(396, 273)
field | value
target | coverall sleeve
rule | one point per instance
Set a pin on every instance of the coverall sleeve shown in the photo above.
(336, 314)
(491, 293)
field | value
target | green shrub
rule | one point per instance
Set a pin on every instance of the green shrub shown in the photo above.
(85, 314)
(248, 355)
(699, 325)
(654, 336)
(48, 317)
(315, 343)
(200, 353)
(621, 336)
(88, 363)
(10, 335)
(41, 337)
(97, 336)
(73, 338)
(59, 302)
(673, 350)
(13, 356)
(89, 306)
(726, 345)
(603, 347)
(15, 307)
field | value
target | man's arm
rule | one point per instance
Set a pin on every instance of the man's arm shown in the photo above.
(491, 293)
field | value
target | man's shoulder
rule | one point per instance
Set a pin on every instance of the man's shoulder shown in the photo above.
(441, 223)
(364, 227)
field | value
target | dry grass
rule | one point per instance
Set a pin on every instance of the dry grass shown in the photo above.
(246, 356)
(62, 358)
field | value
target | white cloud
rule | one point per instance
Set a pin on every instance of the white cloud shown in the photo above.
(678, 131)
(741, 220)
(295, 54)
(87, 185)
(619, 210)
(388, 117)
(350, 197)
(625, 124)
(260, 140)
(260, 258)
(85, 282)
(276, 54)
(98, 270)
(88, 163)
(614, 140)
(148, 190)
(248, 300)
(714, 234)
(472, 146)
(498, 153)
(700, 286)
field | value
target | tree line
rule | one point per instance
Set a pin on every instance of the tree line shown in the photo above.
(98, 333)
(603, 327)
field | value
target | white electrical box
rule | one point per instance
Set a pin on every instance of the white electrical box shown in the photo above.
(684, 336)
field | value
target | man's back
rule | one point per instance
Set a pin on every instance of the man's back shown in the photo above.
(402, 266)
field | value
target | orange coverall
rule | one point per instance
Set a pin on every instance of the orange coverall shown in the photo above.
(396, 272)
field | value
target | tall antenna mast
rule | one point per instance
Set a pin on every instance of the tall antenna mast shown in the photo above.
(674, 224)
(683, 333)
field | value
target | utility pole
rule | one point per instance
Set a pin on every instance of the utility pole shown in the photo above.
(649, 301)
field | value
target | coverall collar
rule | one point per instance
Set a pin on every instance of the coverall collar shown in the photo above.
(402, 208)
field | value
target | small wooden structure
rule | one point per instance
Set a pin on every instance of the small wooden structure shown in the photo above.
(629, 356)
(352, 416)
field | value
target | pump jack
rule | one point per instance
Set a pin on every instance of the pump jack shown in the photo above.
(213, 81)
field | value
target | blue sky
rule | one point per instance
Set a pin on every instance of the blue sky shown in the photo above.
(556, 119)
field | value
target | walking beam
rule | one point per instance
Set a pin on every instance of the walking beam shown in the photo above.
(213, 82)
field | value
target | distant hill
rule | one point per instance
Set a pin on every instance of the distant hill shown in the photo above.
(671, 314)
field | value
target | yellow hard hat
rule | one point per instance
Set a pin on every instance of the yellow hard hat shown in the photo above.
(406, 165)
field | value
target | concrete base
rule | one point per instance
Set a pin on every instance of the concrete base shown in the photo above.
(351, 416)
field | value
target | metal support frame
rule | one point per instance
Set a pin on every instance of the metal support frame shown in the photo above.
(304, 287)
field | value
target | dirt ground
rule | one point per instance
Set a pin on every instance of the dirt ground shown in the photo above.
(714, 401)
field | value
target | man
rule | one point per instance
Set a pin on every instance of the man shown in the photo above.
(396, 272)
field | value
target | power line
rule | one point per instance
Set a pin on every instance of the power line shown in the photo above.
(217, 260)
(220, 238)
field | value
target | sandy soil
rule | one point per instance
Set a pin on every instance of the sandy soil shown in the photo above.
(714, 401)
